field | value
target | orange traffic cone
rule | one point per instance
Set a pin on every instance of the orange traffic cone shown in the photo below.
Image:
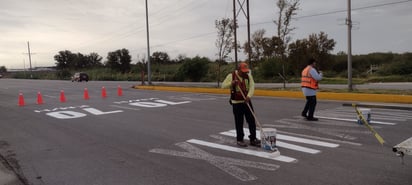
(39, 98)
(21, 99)
(86, 94)
(104, 95)
(62, 97)
(119, 91)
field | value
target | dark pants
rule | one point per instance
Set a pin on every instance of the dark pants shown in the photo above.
(241, 111)
(310, 105)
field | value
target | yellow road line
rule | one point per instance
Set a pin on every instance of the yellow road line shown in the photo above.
(384, 98)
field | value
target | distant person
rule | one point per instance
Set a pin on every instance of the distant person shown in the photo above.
(240, 81)
(310, 83)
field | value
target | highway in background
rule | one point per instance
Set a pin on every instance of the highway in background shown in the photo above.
(179, 138)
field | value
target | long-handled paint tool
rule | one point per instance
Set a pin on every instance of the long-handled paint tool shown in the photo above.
(365, 122)
(265, 141)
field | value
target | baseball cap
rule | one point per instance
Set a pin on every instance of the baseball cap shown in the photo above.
(243, 67)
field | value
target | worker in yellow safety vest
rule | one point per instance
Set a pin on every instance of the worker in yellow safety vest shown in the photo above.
(310, 84)
(242, 87)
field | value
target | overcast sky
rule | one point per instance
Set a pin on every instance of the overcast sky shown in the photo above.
(185, 26)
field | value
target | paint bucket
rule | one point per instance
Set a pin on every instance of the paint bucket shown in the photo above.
(269, 142)
(366, 114)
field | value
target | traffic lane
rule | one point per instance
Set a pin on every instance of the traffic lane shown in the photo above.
(65, 137)
(349, 163)
(359, 157)
(51, 90)
(203, 107)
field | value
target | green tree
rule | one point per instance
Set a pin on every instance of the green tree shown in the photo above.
(287, 9)
(119, 60)
(256, 46)
(298, 55)
(3, 69)
(94, 60)
(64, 60)
(224, 43)
(193, 69)
(320, 47)
(159, 57)
(225, 38)
(272, 47)
(317, 46)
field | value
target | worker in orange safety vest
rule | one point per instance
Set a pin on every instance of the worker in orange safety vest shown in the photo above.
(310, 84)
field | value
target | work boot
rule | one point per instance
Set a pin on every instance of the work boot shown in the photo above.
(304, 115)
(241, 143)
(255, 142)
(312, 119)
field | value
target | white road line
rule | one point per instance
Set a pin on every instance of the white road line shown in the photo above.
(321, 138)
(374, 116)
(281, 144)
(274, 156)
(295, 139)
(355, 120)
(307, 141)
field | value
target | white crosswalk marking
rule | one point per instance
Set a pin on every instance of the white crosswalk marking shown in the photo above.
(355, 120)
(281, 144)
(274, 156)
(378, 115)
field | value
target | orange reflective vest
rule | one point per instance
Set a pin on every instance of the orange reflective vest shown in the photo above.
(307, 80)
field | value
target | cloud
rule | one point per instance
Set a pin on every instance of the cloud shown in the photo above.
(184, 26)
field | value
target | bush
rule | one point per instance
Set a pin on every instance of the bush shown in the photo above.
(193, 69)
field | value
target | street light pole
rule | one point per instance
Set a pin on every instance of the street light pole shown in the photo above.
(149, 81)
(349, 23)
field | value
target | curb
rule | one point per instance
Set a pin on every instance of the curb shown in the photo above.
(380, 98)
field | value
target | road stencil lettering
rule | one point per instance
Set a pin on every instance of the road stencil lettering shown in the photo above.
(72, 112)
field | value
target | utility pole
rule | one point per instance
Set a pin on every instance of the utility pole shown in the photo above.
(149, 80)
(235, 15)
(349, 23)
(31, 70)
(235, 30)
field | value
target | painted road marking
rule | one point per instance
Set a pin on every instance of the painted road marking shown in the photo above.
(307, 141)
(355, 120)
(377, 114)
(294, 123)
(295, 139)
(281, 144)
(228, 165)
(321, 138)
(267, 155)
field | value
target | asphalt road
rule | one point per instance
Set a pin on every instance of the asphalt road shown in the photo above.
(174, 138)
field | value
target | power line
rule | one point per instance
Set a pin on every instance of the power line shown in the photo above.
(341, 11)
(300, 17)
